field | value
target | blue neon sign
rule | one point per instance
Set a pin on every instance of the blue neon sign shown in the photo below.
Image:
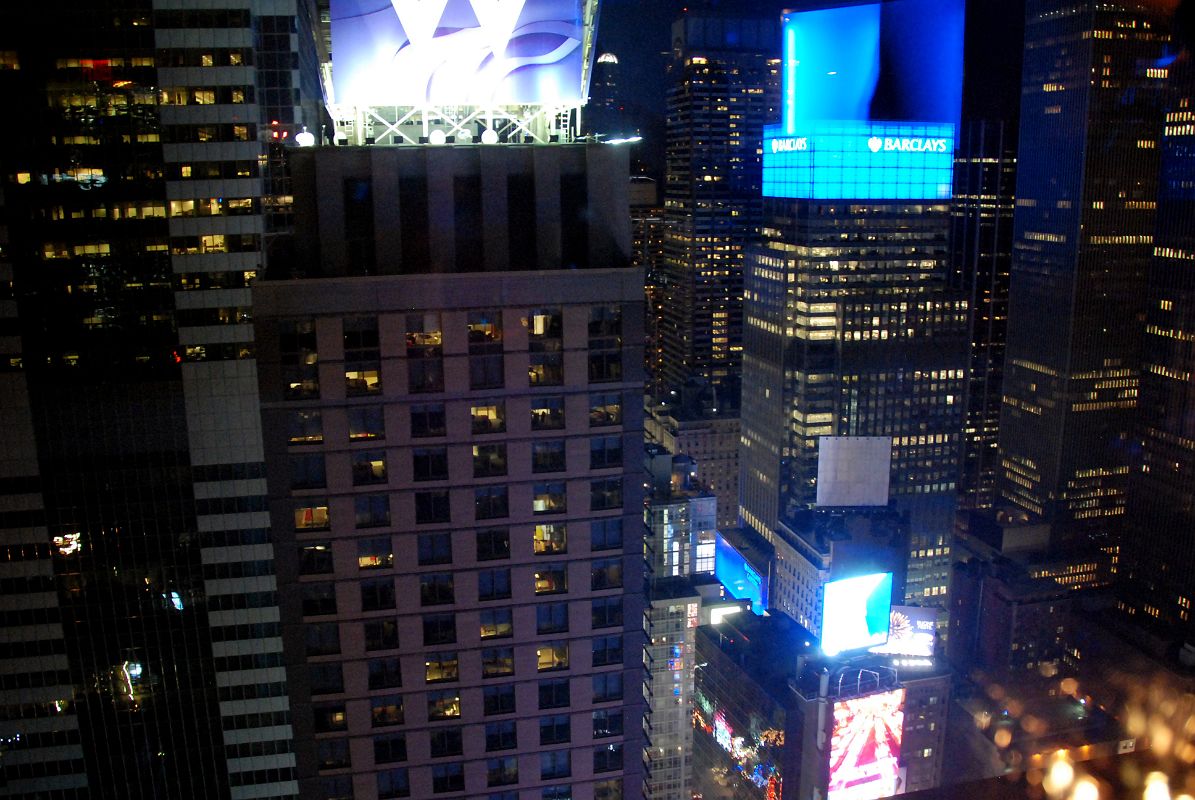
(871, 99)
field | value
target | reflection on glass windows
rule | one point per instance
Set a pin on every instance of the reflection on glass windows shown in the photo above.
(372, 510)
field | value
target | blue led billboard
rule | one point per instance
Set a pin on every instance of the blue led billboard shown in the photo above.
(856, 612)
(871, 101)
(741, 579)
(457, 52)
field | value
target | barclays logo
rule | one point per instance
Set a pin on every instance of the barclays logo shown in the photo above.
(907, 145)
(790, 144)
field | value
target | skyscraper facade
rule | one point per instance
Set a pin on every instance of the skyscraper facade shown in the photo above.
(980, 259)
(455, 486)
(724, 87)
(135, 189)
(1157, 546)
(1091, 112)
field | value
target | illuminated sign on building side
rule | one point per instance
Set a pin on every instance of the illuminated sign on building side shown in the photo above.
(865, 746)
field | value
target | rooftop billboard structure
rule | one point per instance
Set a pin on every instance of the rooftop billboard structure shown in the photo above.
(871, 99)
(472, 65)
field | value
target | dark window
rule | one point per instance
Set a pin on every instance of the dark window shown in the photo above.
(554, 729)
(501, 735)
(498, 699)
(551, 618)
(448, 778)
(365, 423)
(605, 344)
(491, 502)
(413, 223)
(489, 460)
(547, 456)
(547, 413)
(393, 783)
(332, 753)
(427, 419)
(373, 510)
(493, 543)
(607, 722)
(607, 686)
(389, 749)
(555, 764)
(377, 595)
(385, 673)
(607, 612)
(299, 359)
(432, 507)
(381, 634)
(436, 589)
(466, 206)
(322, 639)
(607, 650)
(493, 584)
(485, 349)
(497, 662)
(445, 742)
(318, 599)
(385, 711)
(315, 558)
(439, 629)
(435, 548)
(605, 452)
(429, 463)
(307, 471)
(606, 534)
(605, 494)
(502, 771)
(325, 678)
(362, 358)
(606, 573)
(607, 758)
(574, 221)
(521, 220)
(554, 693)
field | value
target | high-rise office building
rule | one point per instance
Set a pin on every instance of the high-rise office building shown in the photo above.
(454, 473)
(1090, 120)
(138, 188)
(724, 86)
(980, 260)
(1158, 547)
(851, 326)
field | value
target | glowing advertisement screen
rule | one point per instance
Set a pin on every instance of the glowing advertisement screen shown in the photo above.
(457, 52)
(911, 632)
(741, 579)
(855, 613)
(871, 99)
(865, 746)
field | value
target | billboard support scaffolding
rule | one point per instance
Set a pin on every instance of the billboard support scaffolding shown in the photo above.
(359, 125)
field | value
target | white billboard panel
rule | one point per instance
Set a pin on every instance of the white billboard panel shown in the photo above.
(853, 470)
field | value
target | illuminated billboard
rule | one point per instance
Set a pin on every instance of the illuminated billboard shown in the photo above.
(740, 579)
(458, 52)
(865, 746)
(855, 612)
(871, 101)
(911, 632)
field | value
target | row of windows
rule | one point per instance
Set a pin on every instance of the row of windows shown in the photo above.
(394, 783)
(429, 420)
(445, 704)
(323, 639)
(432, 507)
(491, 544)
(369, 467)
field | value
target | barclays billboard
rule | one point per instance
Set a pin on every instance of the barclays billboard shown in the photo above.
(871, 99)
(458, 52)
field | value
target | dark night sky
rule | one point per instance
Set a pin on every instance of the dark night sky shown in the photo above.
(639, 33)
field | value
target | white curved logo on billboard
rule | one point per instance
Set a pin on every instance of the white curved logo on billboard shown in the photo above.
(457, 52)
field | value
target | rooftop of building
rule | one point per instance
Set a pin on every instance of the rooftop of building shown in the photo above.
(674, 588)
(751, 546)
